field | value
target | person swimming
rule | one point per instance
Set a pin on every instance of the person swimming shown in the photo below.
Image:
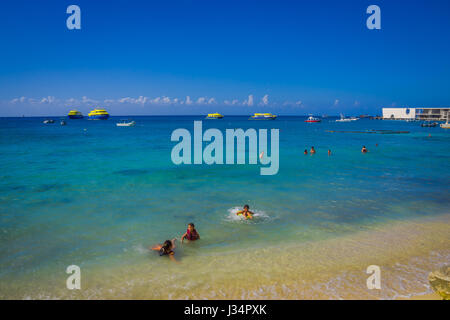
(305, 152)
(312, 151)
(191, 233)
(166, 249)
(364, 149)
(246, 213)
(329, 152)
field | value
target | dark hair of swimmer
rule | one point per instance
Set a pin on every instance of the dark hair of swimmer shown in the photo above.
(191, 224)
(246, 206)
(166, 247)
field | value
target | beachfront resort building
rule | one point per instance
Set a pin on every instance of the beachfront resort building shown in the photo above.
(424, 114)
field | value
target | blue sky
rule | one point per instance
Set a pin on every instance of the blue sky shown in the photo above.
(235, 57)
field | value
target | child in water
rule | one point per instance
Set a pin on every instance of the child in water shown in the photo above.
(191, 234)
(246, 212)
(166, 249)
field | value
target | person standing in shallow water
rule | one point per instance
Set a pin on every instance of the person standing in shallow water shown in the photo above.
(191, 233)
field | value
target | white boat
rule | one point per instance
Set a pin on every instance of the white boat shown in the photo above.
(312, 119)
(125, 123)
(445, 125)
(343, 119)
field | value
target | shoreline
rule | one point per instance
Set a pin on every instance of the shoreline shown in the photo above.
(327, 269)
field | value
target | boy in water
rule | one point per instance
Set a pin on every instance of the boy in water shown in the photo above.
(364, 149)
(166, 249)
(312, 151)
(191, 234)
(246, 212)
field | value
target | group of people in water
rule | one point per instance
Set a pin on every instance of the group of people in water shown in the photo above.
(313, 151)
(191, 234)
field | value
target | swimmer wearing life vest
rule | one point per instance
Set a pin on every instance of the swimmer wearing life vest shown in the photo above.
(246, 213)
(191, 233)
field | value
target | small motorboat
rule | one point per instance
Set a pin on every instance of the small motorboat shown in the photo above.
(125, 123)
(47, 121)
(343, 119)
(311, 119)
(428, 124)
(445, 125)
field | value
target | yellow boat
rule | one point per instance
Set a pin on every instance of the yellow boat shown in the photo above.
(214, 116)
(263, 116)
(98, 114)
(75, 114)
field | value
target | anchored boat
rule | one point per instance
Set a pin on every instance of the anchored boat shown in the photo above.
(445, 125)
(428, 124)
(263, 116)
(75, 114)
(125, 123)
(98, 114)
(312, 119)
(214, 116)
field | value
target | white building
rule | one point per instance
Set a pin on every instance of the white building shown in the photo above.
(436, 114)
(399, 113)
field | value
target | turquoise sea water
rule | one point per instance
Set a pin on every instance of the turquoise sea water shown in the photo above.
(93, 194)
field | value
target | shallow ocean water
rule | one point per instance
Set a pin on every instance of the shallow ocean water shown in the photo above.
(97, 195)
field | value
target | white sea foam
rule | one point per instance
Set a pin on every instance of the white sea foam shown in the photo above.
(139, 248)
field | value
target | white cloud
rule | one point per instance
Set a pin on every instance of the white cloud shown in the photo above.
(86, 100)
(49, 99)
(201, 100)
(165, 100)
(249, 101)
(188, 100)
(265, 100)
(19, 100)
